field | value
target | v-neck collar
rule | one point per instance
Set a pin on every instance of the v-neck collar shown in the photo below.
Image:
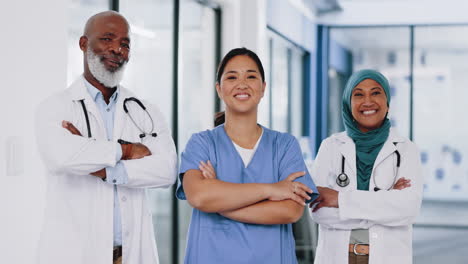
(260, 144)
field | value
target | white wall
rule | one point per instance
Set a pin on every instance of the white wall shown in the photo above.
(33, 66)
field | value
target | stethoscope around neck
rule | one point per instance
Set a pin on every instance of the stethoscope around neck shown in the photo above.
(343, 180)
(142, 132)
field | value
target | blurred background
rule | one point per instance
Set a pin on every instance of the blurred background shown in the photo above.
(309, 49)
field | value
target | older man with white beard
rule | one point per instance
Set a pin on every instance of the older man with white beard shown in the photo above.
(96, 204)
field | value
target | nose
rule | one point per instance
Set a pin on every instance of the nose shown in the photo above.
(368, 101)
(116, 49)
(242, 84)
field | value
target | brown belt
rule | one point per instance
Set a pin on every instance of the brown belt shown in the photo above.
(359, 249)
(117, 252)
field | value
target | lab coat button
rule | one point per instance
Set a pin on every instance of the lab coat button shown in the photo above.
(107, 109)
(374, 235)
(124, 199)
(114, 180)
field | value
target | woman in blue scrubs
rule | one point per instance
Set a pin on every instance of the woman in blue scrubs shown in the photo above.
(246, 183)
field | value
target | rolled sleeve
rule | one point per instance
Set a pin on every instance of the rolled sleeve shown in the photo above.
(117, 175)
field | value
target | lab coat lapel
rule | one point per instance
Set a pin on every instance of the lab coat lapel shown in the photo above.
(79, 92)
(389, 147)
(348, 150)
(120, 116)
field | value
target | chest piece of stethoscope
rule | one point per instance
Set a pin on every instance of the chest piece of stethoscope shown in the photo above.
(342, 180)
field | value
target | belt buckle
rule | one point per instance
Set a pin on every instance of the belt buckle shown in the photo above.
(354, 249)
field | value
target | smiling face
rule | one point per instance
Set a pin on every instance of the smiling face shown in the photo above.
(106, 46)
(368, 105)
(241, 86)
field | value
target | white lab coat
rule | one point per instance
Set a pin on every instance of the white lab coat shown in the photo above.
(78, 225)
(387, 214)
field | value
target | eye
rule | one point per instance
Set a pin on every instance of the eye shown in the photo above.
(252, 77)
(106, 39)
(231, 77)
(376, 93)
(125, 45)
(358, 94)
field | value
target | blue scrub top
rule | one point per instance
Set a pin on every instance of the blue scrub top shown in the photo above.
(216, 239)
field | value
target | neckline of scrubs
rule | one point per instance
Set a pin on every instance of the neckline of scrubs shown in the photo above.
(260, 144)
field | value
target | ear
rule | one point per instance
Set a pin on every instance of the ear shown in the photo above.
(83, 43)
(218, 90)
(263, 88)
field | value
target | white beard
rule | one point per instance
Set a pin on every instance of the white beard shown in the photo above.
(98, 70)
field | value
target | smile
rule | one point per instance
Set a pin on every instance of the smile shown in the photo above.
(242, 96)
(113, 62)
(369, 112)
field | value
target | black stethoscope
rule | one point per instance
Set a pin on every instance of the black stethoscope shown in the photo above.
(343, 180)
(143, 133)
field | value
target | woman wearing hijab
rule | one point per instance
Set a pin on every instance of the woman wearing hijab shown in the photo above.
(371, 181)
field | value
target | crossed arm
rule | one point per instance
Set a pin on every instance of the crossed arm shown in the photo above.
(129, 151)
(255, 203)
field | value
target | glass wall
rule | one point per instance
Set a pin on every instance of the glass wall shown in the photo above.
(286, 84)
(440, 74)
(287, 114)
(427, 64)
(279, 84)
(197, 93)
(149, 75)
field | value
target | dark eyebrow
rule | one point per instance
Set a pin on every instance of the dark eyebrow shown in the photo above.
(377, 87)
(357, 88)
(230, 72)
(252, 71)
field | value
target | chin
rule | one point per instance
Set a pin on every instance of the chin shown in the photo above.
(369, 127)
(242, 110)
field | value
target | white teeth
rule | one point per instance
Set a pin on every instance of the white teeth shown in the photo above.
(370, 112)
(242, 96)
